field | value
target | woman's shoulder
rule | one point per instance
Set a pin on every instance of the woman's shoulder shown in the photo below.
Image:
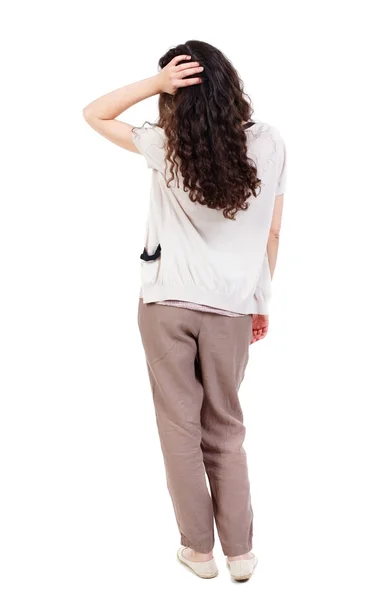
(150, 132)
(262, 128)
(266, 139)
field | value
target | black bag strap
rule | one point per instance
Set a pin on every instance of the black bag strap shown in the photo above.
(145, 256)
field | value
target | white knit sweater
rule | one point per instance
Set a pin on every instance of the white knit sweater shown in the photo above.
(205, 258)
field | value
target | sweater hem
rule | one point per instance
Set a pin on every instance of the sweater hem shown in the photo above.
(231, 302)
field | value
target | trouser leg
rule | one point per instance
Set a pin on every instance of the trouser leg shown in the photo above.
(223, 356)
(169, 338)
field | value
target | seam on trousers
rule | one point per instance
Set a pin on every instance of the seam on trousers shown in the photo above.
(157, 360)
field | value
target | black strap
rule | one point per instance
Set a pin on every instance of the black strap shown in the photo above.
(145, 256)
(247, 125)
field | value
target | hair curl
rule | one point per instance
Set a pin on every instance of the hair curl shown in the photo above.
(206, 139)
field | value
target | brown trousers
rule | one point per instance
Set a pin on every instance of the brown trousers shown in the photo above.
(196, 362)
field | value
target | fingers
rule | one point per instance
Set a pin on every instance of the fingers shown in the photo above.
(187, 82)
(176, 59)
(179, 72)
(259, 334)
(187, 72)
(183, 66)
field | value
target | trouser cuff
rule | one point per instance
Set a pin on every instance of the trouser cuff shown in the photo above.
(204, 546)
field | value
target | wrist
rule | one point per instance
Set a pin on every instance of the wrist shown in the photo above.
(156, 83)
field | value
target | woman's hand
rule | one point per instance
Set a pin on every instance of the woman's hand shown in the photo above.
(101, 113)
(171, 77)
(259, 327)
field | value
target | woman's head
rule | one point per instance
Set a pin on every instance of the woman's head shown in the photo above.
(205, 135)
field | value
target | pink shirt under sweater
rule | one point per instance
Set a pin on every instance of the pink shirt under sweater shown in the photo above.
(200, 307)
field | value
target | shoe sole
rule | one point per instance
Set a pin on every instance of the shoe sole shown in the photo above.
(211, 576)
(242, 577)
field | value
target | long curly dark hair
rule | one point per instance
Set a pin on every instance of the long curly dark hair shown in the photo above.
(206, 139)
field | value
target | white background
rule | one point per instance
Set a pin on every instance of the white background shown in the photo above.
(85, 513)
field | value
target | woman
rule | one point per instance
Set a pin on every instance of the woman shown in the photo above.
(210, 251)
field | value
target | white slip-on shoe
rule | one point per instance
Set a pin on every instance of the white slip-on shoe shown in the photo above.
(206, 570)
(241, 570)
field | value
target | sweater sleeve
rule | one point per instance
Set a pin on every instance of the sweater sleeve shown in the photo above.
(263, 290)
(150, 143)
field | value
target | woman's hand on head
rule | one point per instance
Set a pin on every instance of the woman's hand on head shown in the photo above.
(102, 113)
(171, 77)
